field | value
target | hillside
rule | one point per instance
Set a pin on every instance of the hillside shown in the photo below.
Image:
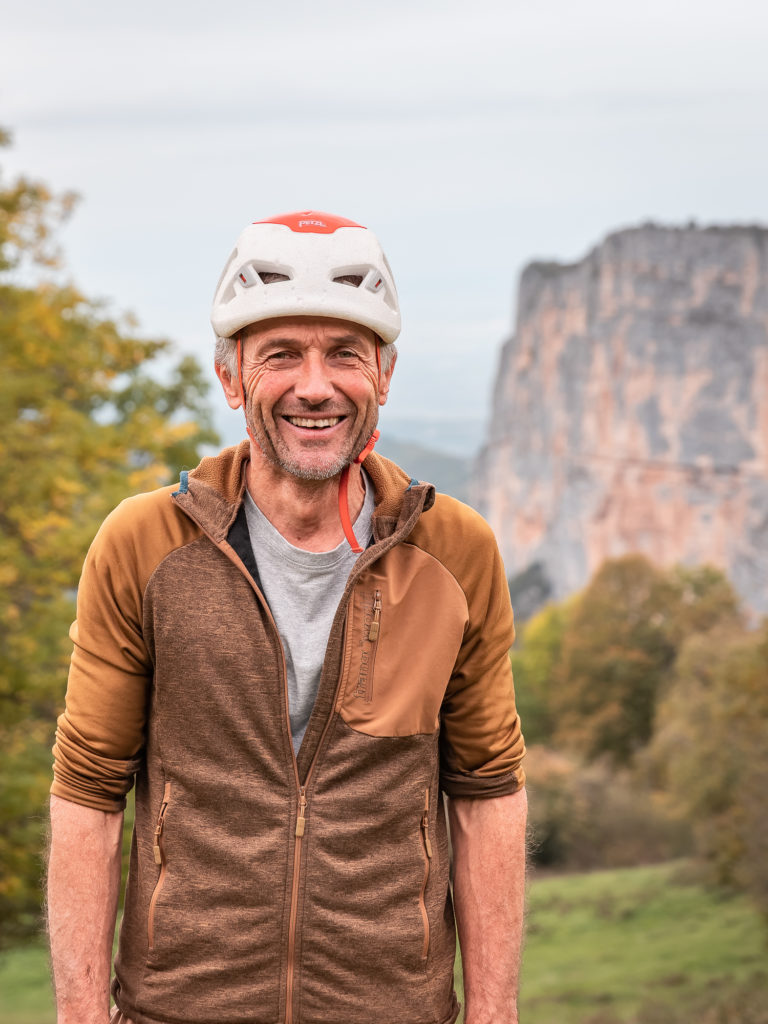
(449, 473)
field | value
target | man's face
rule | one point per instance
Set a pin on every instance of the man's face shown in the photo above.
(312, 392)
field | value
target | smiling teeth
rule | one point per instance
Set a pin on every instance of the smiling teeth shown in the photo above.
(299, 421)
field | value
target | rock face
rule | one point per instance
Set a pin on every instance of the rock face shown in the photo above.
(630, 411)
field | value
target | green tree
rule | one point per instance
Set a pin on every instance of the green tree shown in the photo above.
(711, 747)
(703, 599)
(83, 423)
(535, 664)
(616, 651)
(619, 647)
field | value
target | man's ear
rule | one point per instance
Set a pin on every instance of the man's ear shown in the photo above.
(386, 378)
(230, 386)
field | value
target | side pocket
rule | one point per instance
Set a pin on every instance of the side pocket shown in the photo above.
(160, 859)
(426, 847)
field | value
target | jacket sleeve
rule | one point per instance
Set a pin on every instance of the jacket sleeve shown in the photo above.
(482, 744)
(100, 735)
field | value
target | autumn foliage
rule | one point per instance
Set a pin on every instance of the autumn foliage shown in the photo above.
(648, 724)
(83, 423)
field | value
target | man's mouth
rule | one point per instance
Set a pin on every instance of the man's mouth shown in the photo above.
(314, 424)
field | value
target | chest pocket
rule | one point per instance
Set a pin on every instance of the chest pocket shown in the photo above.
(405, 625)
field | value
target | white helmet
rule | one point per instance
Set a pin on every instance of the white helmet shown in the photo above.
(307, 264)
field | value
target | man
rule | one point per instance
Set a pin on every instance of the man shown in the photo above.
(294, 658)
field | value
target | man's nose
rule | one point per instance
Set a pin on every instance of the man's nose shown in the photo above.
(313, 383)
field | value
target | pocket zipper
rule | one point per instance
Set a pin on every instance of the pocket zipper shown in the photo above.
(364, 687)
(427, 851)
(158, 850)
(373, 630)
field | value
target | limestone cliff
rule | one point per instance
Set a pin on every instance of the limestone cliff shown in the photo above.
(630, 411)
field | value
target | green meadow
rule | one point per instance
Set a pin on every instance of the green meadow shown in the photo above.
(643, 945)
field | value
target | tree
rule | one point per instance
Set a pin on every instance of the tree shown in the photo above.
(712, 748)
(535, 660)
(83, 424)
(703, 600)
(585, 816)
(619, 647)
(616, 651)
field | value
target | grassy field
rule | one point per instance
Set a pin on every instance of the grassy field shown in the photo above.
(643, 943)
(639, 945)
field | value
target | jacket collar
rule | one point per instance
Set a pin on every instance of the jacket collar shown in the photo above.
(212, 494)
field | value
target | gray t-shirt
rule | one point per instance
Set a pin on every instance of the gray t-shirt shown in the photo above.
(303, 590)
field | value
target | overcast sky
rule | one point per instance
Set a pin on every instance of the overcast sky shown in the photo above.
(473, 137)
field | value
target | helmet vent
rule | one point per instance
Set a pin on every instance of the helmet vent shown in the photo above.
(270, 277)
(250, 274)
(354, 280)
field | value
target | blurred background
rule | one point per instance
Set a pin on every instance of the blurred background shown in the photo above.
(572, 198)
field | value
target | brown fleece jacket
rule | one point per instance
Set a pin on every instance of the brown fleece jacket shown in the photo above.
(265, 888)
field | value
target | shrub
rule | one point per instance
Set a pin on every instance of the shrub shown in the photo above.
(594, 816)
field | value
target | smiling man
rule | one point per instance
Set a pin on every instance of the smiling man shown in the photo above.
(294, 654)
(314, 387)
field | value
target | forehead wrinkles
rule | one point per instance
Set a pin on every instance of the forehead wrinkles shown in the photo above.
(307, 335)
(256, 361)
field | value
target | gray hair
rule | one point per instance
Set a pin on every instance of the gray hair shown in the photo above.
(226, 355)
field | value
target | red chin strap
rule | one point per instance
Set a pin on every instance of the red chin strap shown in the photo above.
(346, 521)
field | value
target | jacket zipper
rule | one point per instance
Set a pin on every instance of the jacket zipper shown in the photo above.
(301, 825)
(300, 817)
(301, 822)
(427, 851)
(302, 790)
(159, 851)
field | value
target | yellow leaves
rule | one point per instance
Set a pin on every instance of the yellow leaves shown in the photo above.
(83, 424)
(148, 478)
(8, 573)
(28, 214)
(67, 487)
(32, 530)
(178, 432)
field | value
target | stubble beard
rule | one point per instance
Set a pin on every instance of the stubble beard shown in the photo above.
(278, 454)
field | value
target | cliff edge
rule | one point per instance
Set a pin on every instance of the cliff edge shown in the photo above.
(630, 411)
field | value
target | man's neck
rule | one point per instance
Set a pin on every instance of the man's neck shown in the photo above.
(305, 512)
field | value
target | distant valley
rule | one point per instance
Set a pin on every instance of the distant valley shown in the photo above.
(449, 473)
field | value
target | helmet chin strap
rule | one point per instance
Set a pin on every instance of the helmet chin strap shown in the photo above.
(346, 519)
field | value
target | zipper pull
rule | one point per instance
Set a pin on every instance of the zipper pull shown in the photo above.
(425, 830)
(301, 820)
(373, 631)
(158, 832)
(425, 826)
